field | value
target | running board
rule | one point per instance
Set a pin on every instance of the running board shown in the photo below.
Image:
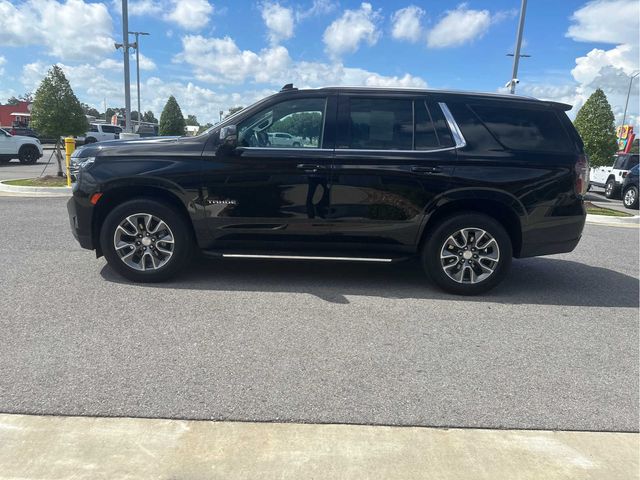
(279, 256)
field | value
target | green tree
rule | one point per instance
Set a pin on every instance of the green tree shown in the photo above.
(232, 110)
(149, 117)
(171, 120)
(89, 110)
(204, 127)
(25, 97)
(595, 123)
(56, 110)
(635, 147)
(192, 120)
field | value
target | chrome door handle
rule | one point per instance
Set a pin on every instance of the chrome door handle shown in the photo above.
(417, 169)
(310, 167)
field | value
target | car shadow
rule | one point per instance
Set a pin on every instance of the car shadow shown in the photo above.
(542, 281)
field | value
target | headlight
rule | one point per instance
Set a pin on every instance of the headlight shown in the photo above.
(85, 162)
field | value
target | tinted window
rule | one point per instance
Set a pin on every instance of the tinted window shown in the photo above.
(108, 129)
(631, 161)
(302, 119)
(524, 128)
(431, 130)
(381, 124)
(93, 128)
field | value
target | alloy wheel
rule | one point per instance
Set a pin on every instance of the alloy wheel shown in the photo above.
(144, 242)
(630, 197)
(470, 255)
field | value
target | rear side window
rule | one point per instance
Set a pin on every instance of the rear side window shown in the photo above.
(632, 161)
(108, 129)
(396, 124)
(520, 128)
(381, 124)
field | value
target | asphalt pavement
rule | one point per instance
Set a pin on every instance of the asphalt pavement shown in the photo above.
(554, 347)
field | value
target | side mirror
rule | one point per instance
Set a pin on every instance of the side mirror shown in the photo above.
(229, 135)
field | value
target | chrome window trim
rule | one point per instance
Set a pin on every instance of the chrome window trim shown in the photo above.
(365, 150)
(453, 126)
(288, 149)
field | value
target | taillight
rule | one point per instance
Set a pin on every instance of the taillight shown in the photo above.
(624, 174)
(582, 175)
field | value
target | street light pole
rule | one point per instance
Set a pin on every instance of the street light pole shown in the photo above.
(626, 104)
(516, 54)
(127, 80)
(138, 69)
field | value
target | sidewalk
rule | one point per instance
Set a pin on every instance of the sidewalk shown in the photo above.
(55, 448)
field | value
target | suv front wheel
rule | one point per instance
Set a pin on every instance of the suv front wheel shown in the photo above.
(146, 241)
(467, 254)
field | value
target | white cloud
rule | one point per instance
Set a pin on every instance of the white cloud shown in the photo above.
(219, 61)
(190, 14)
(111, 64)
(608, 21)
(318, 7)
(406, 23)
(458, 27)
(279, 21)
(354, 27)
(142, 7)
(3, 60)
(73, 30)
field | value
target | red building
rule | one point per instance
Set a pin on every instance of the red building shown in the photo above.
(15, 115)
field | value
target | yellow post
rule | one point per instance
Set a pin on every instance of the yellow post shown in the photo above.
(69, 147)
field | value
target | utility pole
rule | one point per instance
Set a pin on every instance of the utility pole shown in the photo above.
(516, 54)
(127, 80)
(137, 47)
(626, 104)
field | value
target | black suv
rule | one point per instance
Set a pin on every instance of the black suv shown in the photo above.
(461, 182)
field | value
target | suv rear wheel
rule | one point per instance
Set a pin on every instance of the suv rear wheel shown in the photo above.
(28, 154)
(467, 254)
(146, 241)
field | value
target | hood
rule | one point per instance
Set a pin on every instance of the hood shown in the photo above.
(25, 138)
(148, 146)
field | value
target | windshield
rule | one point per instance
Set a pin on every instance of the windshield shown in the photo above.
(5, 132)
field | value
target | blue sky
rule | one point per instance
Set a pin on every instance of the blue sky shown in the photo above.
(215, 54)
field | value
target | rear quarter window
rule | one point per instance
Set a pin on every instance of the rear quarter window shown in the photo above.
(524, 128)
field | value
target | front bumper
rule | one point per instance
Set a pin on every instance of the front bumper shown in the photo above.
(80, 219)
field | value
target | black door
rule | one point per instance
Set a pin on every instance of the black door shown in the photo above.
(394, 156)
(270, 193)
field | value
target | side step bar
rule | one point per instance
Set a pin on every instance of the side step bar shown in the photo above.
(288, 256)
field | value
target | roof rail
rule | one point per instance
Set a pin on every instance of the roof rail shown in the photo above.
(288, 86)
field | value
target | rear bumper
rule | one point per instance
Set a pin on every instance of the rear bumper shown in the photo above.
(556, 235)
(80, 216)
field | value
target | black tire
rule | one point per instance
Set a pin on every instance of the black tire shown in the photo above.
(630, 197)
(28, 154)
(610, 189)
(296, 144)
(89, 140)
(177, 223)
(438, 239)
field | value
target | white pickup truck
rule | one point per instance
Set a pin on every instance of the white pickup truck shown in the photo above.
(99, 132)
(26, 149)
(611, 178)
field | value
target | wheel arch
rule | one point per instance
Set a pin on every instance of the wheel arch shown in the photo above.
(500, 209)
(118, 194)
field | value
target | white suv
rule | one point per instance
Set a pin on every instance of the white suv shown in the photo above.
(26, 149)
(281, 139)
(99, 132)
(611, 178)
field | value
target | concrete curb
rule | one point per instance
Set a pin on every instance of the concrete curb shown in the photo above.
(86, 448)
(614, 221)
(35, 191)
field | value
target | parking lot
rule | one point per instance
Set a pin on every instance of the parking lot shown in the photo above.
(554, 347)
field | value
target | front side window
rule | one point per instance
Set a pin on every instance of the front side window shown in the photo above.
(289, 124)
(108, 129)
